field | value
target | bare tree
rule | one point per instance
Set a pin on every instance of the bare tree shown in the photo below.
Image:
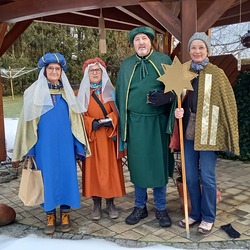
(227, 40)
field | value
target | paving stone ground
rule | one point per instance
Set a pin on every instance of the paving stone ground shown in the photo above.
(233, 178)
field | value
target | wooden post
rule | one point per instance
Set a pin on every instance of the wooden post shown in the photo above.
(188, 26)
(3, 154)
(11, 85)
(183, 170)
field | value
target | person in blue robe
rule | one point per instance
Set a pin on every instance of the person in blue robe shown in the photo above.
(51, 129)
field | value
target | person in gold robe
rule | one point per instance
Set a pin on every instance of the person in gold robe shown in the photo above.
(213, 105)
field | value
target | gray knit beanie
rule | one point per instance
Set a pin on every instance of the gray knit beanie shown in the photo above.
(200, 36)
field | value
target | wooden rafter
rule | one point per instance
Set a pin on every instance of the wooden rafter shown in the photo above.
(189, 24)
(3, 28)
(31, 9)
(164, 16)
(140, 16)
(110, 14)
(213, 13)
(13, 34)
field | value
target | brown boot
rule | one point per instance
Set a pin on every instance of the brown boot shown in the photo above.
(51, 223)
(65, 222)
(111, 209)
(97, 209)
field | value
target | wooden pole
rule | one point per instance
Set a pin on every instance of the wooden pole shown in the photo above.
(11, 84)
(3, 153)
(183, 170)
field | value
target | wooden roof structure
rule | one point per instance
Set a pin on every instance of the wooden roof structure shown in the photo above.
(172, 18)
(169, 17)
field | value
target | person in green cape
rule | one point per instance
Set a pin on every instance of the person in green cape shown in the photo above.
(144, 112)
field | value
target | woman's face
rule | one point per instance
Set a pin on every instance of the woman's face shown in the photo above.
(198, 51)
(142, 45)
(95, 73)
(53, 72)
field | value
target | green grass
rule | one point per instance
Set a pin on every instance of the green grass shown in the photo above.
(12, 108)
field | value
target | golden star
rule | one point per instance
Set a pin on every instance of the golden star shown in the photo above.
(177, 77)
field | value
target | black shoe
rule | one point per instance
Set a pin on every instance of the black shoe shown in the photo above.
(137, 215)
(164, 219)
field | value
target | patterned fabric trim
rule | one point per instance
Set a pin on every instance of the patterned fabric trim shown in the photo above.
(205, 112)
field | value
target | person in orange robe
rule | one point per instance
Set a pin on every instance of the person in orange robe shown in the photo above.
(102, 175)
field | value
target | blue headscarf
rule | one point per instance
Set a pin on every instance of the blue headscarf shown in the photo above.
(52, 58)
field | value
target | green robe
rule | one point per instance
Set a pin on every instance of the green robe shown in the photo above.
(144, 126)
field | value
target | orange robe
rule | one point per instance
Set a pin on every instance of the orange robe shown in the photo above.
(102, 174)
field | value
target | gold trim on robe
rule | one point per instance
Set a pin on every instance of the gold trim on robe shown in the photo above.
(205, 112)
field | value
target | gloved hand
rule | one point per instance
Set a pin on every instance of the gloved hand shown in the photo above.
(95, 125)
(107, 124)
(158, 98)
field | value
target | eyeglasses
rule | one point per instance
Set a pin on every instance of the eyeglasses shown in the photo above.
(96, 71)
(51, 69)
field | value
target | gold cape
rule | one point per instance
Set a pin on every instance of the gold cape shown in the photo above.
(216, 125)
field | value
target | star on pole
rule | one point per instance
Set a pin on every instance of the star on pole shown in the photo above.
(177, 77)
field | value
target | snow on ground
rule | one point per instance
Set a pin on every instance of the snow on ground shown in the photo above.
(10, 126)
(34, 242)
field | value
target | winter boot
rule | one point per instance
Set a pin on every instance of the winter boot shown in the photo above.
(111, 209)
(97, 209)
(137, 215)
(51, 223)
(65, 222)
(163, 217)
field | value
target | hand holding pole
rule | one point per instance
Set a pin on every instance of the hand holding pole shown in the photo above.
(176, 78)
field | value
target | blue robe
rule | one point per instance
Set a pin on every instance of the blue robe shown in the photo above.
(55, 154)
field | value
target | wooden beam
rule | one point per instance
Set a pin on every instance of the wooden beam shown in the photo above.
(110, 14)
(212, 14)
(167, 43)
(233, 16)
(176, 51)
(188, 25)
(3, 28)
(30, 9)
(164, 16)
(13, 34)
(236, 11)
(176, 8)
(85, 21)
(3, 153)
(228, 63)
(141, 15)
